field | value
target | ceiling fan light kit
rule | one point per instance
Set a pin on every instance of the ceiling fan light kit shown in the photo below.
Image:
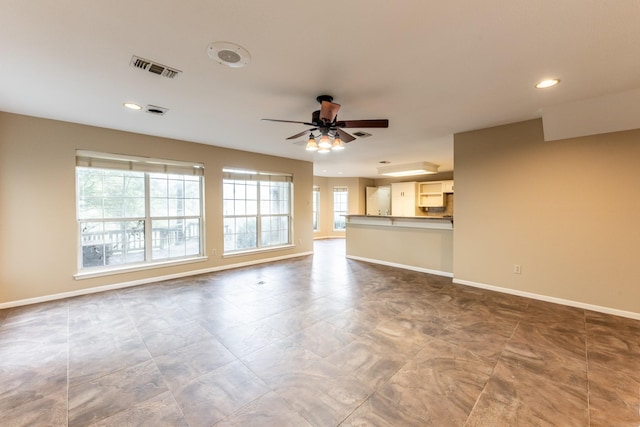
(325, 120)
(324, 146)
(409, 169)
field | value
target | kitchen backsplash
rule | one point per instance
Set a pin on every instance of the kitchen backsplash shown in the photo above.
(446, 210)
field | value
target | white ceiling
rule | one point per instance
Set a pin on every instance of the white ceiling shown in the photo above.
(433, 68)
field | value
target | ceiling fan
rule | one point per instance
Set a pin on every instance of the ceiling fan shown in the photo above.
(325, 121)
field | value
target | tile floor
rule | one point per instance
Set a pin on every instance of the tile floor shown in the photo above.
(315, 341)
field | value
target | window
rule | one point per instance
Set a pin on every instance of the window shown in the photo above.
(134, 211)
(257, 210)
(340, 207)
(316, 207)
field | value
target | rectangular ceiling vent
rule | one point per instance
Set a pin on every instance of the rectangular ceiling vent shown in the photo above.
(154, 109)
(154, 67)
(360, 134)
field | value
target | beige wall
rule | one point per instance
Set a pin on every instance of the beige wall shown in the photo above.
(422, 249)
(567, 211)
(357, 200)
(38, 230)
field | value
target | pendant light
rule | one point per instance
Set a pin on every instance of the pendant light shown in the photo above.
(311, 144)
(337, 143)
(324, 142)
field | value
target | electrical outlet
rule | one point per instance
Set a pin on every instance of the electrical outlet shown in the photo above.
(517, 269)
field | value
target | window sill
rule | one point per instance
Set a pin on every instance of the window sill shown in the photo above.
(257, 251)
(139, 267)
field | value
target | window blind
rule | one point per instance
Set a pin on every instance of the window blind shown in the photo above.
(94, 159)
(248, 175)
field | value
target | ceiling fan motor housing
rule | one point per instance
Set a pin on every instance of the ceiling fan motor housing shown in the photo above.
(321, 98)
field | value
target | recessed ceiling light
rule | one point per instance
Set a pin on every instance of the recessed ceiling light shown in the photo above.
(547, 83)
(132, 106)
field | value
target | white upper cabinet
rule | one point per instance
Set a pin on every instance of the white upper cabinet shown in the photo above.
(431, 193)
(408, 197)
(403, 198)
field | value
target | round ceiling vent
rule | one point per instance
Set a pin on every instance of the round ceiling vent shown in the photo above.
(229, 54)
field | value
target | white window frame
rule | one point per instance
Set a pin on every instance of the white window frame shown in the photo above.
(316, 208)
(148, 168)
(341, 212)
(231, 176)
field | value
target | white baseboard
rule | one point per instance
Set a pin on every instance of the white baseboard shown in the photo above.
(404, 266)
(87, 291)
(570, 303)
(97, 289)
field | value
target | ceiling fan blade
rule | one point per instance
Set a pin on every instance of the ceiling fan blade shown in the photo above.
(297, 135)
(381, 123)
(329, 111)
(289, 121)
(345, 137)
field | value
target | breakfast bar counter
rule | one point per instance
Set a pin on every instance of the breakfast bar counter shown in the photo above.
(415, 243)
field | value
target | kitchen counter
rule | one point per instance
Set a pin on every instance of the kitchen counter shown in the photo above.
(416, 243)
(441, 222)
